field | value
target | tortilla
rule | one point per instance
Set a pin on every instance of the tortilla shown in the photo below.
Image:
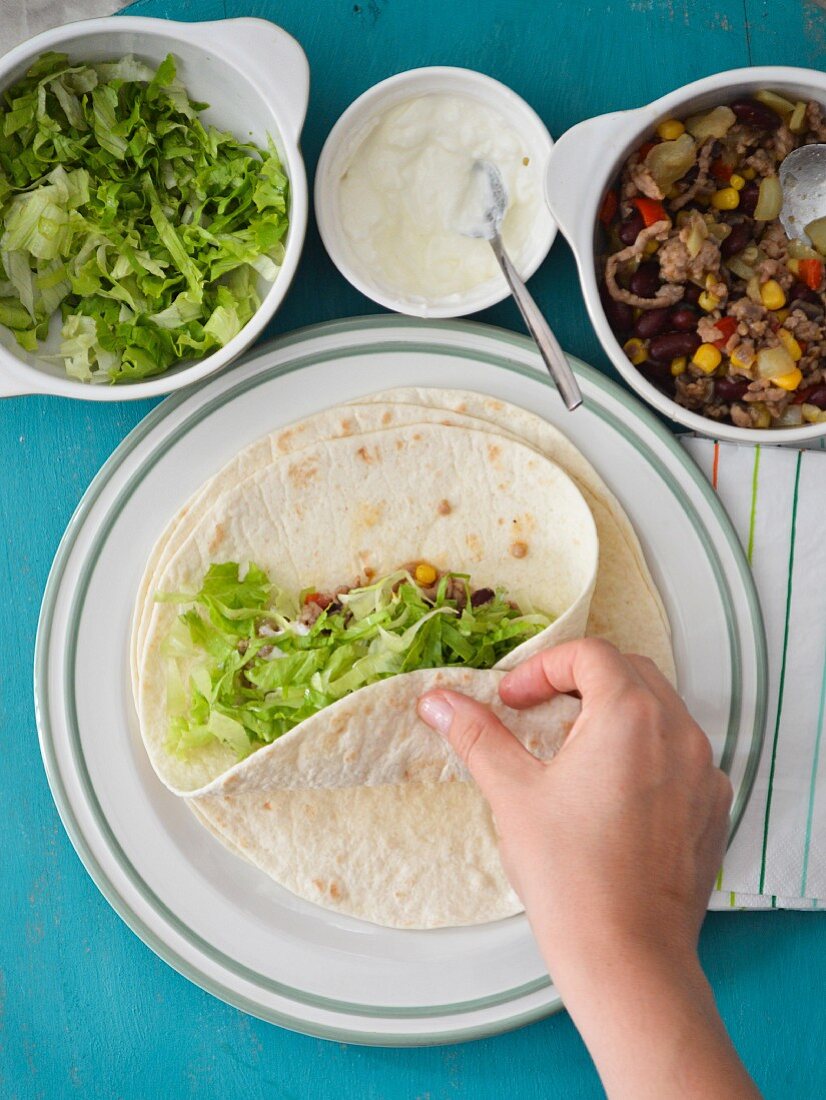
(366, 811)
(361, 506)
(626, 607)
(362, 809)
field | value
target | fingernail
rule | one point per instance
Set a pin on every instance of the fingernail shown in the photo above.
(437, 712)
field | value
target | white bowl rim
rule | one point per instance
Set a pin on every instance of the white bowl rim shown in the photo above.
(632, 124)
(472, 301)
(18, 378)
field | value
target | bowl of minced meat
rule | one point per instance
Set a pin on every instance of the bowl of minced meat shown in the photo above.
(710, 300)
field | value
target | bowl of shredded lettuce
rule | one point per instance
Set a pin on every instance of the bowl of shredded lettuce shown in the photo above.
(153, 201)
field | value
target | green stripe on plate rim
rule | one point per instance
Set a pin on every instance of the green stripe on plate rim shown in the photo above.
(135, 437)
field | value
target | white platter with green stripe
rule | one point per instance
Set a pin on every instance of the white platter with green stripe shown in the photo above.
(218, 920)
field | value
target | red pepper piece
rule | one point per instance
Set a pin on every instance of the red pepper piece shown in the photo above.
(810, 272)
(721, 171)
(651, 210)
(728, 326)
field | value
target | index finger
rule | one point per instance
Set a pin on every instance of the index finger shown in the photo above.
(582, 666)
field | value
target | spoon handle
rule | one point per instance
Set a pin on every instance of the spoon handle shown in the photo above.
(552, 354)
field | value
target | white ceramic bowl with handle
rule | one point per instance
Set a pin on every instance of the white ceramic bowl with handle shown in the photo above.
(256, 80)
(584, 163)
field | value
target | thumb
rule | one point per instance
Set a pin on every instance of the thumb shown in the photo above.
(492, 754)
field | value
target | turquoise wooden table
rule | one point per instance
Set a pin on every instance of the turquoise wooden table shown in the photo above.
(85, 1008)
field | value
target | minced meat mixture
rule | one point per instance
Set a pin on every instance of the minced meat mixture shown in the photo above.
(711, 301)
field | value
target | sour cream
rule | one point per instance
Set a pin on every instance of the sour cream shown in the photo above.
(403, 192)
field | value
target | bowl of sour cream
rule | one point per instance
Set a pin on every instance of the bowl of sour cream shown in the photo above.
(395, 180)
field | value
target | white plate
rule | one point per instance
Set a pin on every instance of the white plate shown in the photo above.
(221, 922)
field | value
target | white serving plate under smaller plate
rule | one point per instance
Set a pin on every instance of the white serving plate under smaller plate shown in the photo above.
(216, 919)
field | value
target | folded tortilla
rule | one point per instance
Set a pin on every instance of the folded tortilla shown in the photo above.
(361, 809)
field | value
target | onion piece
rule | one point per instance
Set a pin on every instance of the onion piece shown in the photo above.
(776, 102)
(791, 417)
(774, 362)
(740, 268)
(797, 122)
(711, 124)
(816, 232)
(769, 200)
(812, 414)
(799, 250)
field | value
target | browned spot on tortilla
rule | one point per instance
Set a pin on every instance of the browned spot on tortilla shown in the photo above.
(283, 441)
(347, 426)
(231, 780)
(335, 890)
(400, 444)
(444, 508)
(364, 454)
(524, 524)
(494, 452)
(461, 407)
(369, 572)
(494, 404)
(474, 545)
(218, 536)
(350, 757)
(417, 436)
(518, 549)
(386, 417)
(227, 798)
(268, 805)
(302, 473)
(370, 514)
(309, 810)
(319, 885)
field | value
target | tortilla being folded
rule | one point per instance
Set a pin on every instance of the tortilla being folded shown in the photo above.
(361, 808)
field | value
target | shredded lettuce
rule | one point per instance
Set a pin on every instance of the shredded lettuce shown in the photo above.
(121, 209)
(243, 669)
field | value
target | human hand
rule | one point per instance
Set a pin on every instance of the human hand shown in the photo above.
(612, 846)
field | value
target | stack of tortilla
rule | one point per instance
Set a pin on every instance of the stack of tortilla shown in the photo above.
(361, 808)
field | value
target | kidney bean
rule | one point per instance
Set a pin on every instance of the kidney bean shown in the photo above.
(672, 345)
(730, 389)
(756, 114)
(684, 318)
(800, 292)
(645, 282)
(619, 315)
(817, 397)
(748, 198)
(629, 229)
(658, 373)
(651, 322)
(692, 293)
(740, 236)
(481, 596)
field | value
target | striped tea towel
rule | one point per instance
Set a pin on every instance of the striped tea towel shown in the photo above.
(776, 499)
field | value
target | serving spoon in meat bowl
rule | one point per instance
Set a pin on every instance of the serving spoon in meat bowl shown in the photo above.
(803, 182)
(487, 201)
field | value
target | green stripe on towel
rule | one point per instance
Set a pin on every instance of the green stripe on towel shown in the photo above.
(813, 781)
(782, 683)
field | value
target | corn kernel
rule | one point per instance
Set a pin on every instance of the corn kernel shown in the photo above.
(679, 365)
(670, 129)
(741, 362)
(812, 414)
(727, 198)
(760, 415)
(707, 358)
(793, 266)
(790, 344)
(708, 301)
(789, 381)
(651, 247)
(425, 574)
(737, 182)
(635, 350)
(749, 173)
(771, 295)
